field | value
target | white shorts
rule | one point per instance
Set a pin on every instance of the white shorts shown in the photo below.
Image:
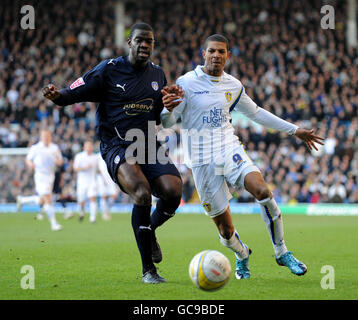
(43, 183)
(106, 188)
(85, 191)
(211, 180)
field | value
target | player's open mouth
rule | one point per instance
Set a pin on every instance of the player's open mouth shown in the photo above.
(143, 54)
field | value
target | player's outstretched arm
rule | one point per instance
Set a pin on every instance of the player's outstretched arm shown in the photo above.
(309, 138)
(269, 120)
(86, 88)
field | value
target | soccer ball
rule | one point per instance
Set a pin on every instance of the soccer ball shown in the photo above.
(209, 270)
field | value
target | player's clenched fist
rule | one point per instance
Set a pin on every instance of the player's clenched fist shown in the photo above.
(172, 96)
(51, 92)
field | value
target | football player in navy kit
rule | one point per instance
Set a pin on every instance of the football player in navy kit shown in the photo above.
(128, 90)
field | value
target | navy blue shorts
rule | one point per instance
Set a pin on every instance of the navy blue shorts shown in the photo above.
(116, 156)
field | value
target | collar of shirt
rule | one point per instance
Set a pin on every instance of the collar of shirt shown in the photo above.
(130, 67)
(199, 71)
(42, 145)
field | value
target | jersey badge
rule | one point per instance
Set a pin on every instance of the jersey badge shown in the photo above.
(207, 206)
(79, 82)
(228, 96)
(155, 85)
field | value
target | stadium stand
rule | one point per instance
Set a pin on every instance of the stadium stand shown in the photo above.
(287, 63)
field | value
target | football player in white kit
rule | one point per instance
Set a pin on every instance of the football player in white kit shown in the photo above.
(86, 166)
(204, 98)
(108, 190)
(43, 158)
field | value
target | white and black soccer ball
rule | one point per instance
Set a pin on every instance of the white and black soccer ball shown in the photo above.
(209, 270)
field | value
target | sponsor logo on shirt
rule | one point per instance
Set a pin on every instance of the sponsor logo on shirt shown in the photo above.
(122, 87)
(215, 117)
(145, 105)
(201, 92)
(79, 82)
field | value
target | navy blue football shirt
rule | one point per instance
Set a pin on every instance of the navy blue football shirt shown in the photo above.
(128, 98)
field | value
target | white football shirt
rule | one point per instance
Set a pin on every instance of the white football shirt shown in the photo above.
(90, 162)
(206, 115)
(44, 158)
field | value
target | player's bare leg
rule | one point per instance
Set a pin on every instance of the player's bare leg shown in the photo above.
(229, 237)
(133, 181)
(271, 214)
(169, 190)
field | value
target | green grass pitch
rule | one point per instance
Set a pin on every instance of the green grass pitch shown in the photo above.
(101, 261)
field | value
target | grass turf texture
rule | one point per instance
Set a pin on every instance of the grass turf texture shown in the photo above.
(101, 261)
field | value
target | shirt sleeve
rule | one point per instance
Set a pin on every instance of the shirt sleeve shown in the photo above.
(31, 154)
(86, 88)
(170, 118)
(76, 163)
(251, 110)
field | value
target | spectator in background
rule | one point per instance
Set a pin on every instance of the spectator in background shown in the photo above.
(337, 193)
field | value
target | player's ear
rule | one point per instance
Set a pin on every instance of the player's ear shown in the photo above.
(203, 53)
(228, 57)
(129, 42)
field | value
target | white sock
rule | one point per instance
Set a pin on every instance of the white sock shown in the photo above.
(93, 210)
(104, 207)
(50, 211)
(29, 199)
(110, 202)
(272, 217)
(234, 244)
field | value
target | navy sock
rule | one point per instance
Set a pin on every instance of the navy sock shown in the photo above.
(142, 232)
(63, 203)
(162, 213)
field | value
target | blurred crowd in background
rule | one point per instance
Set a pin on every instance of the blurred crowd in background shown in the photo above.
(286, 61)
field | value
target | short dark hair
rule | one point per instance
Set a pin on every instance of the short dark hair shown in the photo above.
(140, 26)
(217, 38)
